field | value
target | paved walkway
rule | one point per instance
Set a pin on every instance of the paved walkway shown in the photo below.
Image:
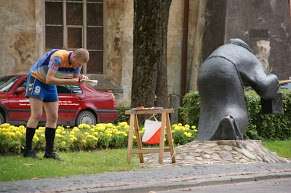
(153, 179)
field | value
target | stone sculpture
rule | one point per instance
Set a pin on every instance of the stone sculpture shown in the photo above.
(221, 80)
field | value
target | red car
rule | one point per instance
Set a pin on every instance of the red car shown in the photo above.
(77, 103)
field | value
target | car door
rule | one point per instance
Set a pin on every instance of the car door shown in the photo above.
(69, 103)
(18, 107)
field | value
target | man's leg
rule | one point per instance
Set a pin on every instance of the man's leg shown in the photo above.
(36, 107)
(51, 109)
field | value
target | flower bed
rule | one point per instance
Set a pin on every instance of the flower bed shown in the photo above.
(83, 137)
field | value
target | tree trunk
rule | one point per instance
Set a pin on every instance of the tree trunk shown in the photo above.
(149, 81)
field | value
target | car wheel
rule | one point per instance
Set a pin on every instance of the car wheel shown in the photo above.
(86, 117)
(2, 118)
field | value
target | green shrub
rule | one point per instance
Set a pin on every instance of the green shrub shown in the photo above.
(261, 126)
(122, 117)
(190, 109)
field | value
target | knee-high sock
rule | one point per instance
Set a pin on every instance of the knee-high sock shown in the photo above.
(49, 138)
(28, 138)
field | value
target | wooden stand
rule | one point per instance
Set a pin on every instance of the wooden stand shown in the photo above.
(134, 128)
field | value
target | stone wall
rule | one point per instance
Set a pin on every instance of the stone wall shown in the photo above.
(214, 26)
(268, 20)
(118, 47)
(196, 23)
(17, 35)
(174, 43)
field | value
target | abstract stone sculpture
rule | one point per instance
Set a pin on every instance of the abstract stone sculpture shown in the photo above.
(221, 80)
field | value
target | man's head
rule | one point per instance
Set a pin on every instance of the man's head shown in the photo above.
(80, 57)
(239, 42)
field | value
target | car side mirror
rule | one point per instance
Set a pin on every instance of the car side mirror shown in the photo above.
(19, 90)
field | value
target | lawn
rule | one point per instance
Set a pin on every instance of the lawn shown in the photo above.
(15, 167)
(282, 148)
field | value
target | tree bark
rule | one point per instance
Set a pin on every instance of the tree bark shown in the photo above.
(149, 81)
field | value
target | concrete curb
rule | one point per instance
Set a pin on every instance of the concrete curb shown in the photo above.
(191, 183)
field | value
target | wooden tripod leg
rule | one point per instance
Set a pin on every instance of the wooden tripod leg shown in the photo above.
(130, 137)
(170, 138)
(138, 139)
(162, 137)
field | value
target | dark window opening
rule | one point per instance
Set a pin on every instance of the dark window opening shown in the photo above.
(71, 24)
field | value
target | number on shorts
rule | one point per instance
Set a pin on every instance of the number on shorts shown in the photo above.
(37, 89)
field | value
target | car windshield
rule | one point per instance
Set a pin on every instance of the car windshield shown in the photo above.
(6, 82)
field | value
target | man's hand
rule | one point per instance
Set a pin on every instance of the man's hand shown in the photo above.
(83, 77)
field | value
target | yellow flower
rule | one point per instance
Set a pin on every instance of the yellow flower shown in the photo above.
(10, 134)
(123, 124)
(188, 134)
(41, 128)
(75, 129)
(109, 125)
(35, 139)
(84, 126)
(58, 135)
(72, 138)
(18, 133)
(5, 125)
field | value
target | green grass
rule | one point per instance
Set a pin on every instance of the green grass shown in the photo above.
(16, 167)
(282, 148)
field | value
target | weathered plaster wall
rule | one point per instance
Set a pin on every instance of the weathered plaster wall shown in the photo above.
(214, 34)
(113, 16)
(254, 20)
(196, 30)
(127, 52)
(118, 38)
(17, 35)
(174, 43)
(196, 23)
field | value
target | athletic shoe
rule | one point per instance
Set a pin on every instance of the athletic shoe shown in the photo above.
(29, 153)
(52, 155)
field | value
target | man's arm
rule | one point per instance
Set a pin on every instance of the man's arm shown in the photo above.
(78, 74)
(51, 78)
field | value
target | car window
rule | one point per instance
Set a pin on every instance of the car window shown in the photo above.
(69, 89)
(6, 82)
(286, 86)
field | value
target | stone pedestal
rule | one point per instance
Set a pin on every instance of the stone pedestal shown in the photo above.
(219, 152)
